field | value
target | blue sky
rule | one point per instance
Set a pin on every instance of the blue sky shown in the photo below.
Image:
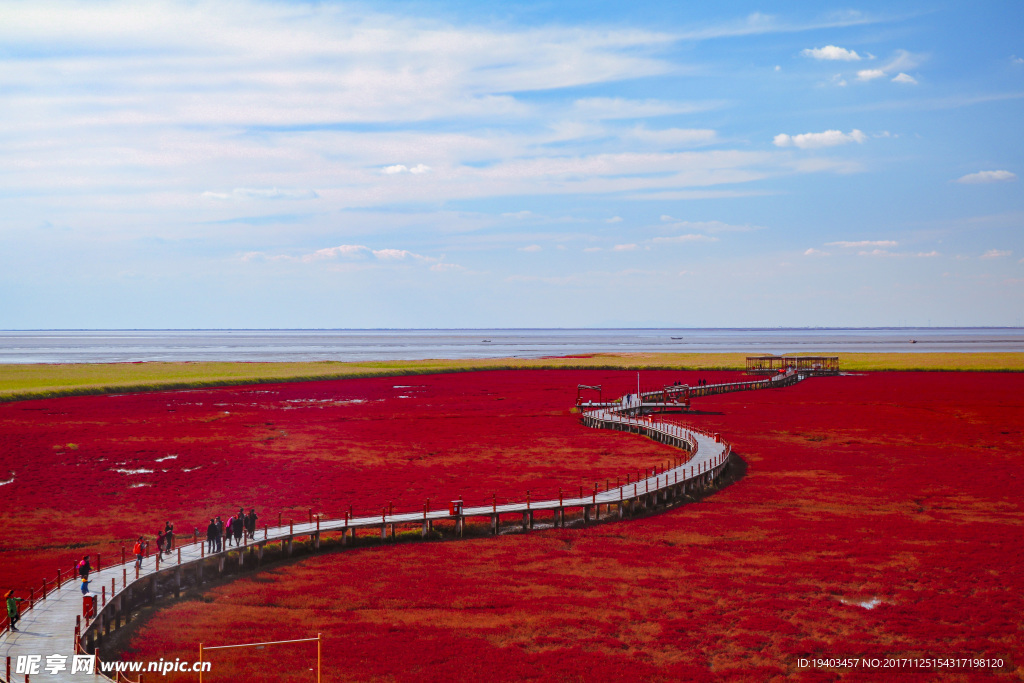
(531, 164)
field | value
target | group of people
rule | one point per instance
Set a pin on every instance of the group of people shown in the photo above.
(220, 533)
(165, 538)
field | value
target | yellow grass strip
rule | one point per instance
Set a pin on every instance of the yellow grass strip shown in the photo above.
(19, 382)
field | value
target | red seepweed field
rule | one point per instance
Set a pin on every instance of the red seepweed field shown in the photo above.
(879, 517)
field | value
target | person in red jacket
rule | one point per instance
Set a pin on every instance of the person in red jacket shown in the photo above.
(84, 567)
(139, 550)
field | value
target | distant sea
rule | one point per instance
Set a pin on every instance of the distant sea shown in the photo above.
(124, 346)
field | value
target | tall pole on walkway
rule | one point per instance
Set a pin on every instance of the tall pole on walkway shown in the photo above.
(200, 663)
(318, 658)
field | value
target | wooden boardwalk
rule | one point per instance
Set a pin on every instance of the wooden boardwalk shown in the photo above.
(57, 623)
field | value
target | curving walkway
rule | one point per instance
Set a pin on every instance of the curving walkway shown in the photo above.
(59, 623)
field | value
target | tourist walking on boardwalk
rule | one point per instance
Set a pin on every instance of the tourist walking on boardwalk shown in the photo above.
(139, 550)
(13, 611)
(250, 521)
(85, 585)
(229, 529)
(161, 539)
(211, 536)
(84, 567)
(220, 534)
(238, 530)
(168, 536)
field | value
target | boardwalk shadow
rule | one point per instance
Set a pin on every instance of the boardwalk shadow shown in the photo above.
(736, 471)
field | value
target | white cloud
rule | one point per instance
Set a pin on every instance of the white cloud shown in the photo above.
(446, 267)
(624, 247)
(531, 248)
(402, 168)
(829, 138)
(995, 253)
(832, 53)
(1014, 59)
(900, 63)
(777, 69)
(395, 254)
(863, 243)
(986, 177)
(350, 251)
(613, 219)
(677, 239)
(815, 252)
(869, 74)
(261, 193)
(590, 250)
(838, 81)
(518, 214)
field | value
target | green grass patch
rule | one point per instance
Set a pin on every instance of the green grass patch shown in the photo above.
(20, 382)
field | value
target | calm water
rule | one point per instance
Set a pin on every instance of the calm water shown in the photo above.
(105, 346)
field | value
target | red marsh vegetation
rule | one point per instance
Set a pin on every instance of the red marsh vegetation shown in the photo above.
(88, 474)
(880, 516)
